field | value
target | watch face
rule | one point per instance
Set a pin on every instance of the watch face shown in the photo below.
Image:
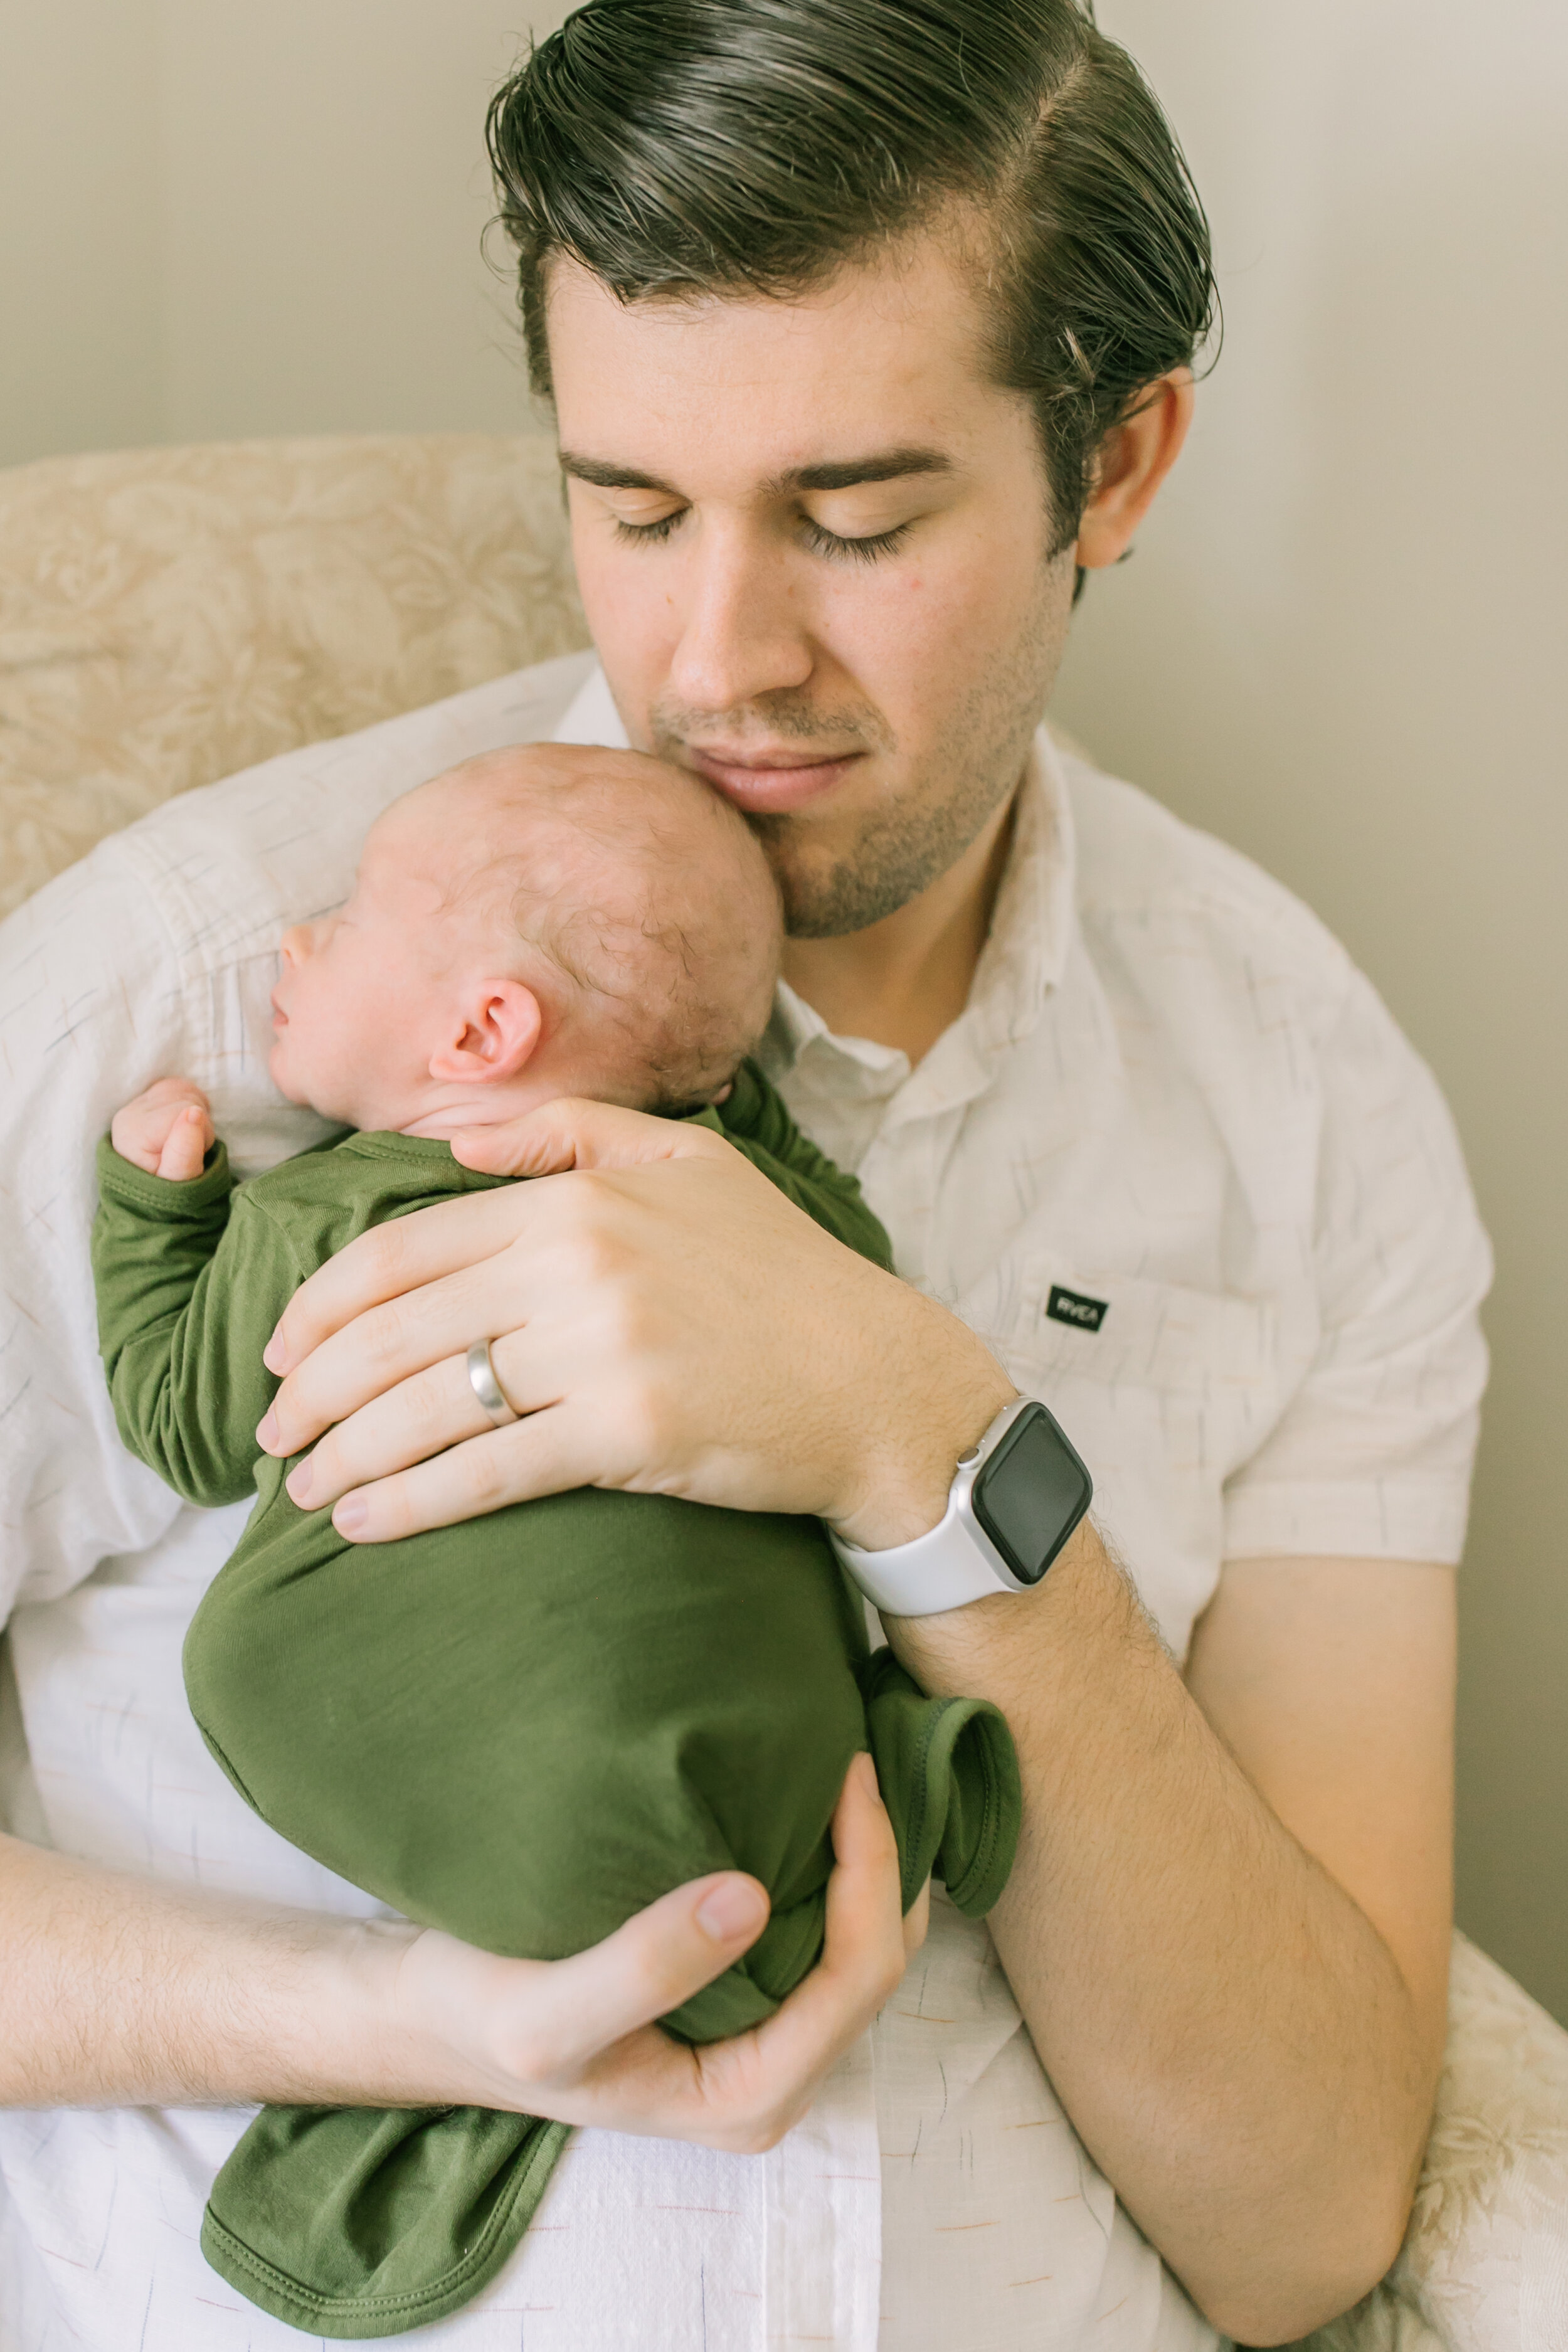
(1031, 1493)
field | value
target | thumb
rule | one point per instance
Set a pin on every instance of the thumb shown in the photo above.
(581, 2006)
(186, 1147)
(572, 1132)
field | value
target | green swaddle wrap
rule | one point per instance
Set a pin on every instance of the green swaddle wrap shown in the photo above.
(521, 1729)
(356, 2222)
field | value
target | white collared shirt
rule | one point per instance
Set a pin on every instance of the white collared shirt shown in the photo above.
(1171, 1098)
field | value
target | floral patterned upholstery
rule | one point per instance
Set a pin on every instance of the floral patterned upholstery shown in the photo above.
(168, 617)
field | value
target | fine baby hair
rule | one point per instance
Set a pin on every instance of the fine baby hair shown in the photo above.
(643, 887)
(541, 920)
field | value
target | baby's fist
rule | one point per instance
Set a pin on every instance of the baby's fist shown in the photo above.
(168, 1131)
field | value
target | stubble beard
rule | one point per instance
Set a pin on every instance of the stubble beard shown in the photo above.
(846, 884)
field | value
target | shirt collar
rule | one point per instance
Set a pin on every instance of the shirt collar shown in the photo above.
(1034, 920)
(1025, 951)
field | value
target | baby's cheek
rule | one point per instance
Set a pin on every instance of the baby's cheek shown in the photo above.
(280, 1064)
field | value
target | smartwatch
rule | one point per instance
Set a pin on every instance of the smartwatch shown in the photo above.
(1015, 1498)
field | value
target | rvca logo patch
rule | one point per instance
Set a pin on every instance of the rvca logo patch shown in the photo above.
(1072, 1306)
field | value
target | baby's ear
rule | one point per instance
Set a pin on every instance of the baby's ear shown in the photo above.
(494, 1038)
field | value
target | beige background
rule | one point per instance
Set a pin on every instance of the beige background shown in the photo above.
(1337, 644)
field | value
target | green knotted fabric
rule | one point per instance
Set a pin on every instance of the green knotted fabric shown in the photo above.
(354, 2223)
(361, 2222)
(521, 1729)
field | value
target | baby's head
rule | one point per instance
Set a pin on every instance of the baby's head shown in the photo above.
(539, 921)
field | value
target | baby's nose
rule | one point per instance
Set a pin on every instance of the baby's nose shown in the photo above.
(296, 942)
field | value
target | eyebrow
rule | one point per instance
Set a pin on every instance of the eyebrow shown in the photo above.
(844, 474)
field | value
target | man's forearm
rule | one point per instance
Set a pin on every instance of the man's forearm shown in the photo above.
(117, 1990)
(1230, 2036)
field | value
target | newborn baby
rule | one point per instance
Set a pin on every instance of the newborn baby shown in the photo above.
(526, 1727)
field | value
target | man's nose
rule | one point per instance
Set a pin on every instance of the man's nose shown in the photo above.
(744, 632)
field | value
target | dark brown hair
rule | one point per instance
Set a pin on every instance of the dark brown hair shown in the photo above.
(678, 147)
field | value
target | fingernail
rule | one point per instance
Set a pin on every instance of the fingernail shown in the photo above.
(736, 1907)
(350, 1516)
(266, 1433)
(299, 1484)
(272, 1355)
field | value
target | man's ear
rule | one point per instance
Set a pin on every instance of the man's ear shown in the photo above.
(1135, 459)
(498, 1029)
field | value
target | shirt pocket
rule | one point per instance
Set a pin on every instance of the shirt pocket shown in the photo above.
(1165, 1400)
(1196, 1372)
(1157, 1334)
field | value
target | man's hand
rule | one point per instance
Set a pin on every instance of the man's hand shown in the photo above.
(167, 1130)
(116, 1991)
(571, 2039)
(664, 1320)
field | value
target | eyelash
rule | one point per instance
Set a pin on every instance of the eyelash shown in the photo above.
(820, 542)
(855, 551)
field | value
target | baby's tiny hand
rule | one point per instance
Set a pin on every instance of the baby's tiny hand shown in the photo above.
(168, 1131)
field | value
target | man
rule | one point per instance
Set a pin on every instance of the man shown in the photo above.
(869, 330)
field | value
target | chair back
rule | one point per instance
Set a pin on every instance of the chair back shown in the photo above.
(168, 617)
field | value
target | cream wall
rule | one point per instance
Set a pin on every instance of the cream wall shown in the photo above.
(219, 219)
(1339, 644)
(79, 226)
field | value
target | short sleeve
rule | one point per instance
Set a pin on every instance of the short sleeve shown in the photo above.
(152, 958)
(1372, 1457)
(89, 1012)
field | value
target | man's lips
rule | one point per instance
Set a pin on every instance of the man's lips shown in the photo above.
(770, 781)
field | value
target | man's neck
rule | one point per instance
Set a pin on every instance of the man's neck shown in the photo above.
(903, 980)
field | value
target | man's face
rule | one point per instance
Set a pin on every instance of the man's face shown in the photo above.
(813, 545)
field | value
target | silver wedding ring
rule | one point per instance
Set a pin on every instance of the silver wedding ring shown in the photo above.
(485, 1387)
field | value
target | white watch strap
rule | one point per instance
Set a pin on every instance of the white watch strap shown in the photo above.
(954, 1562)
(944, 1569)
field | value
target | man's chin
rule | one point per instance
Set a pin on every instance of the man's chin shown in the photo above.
(830, 893)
